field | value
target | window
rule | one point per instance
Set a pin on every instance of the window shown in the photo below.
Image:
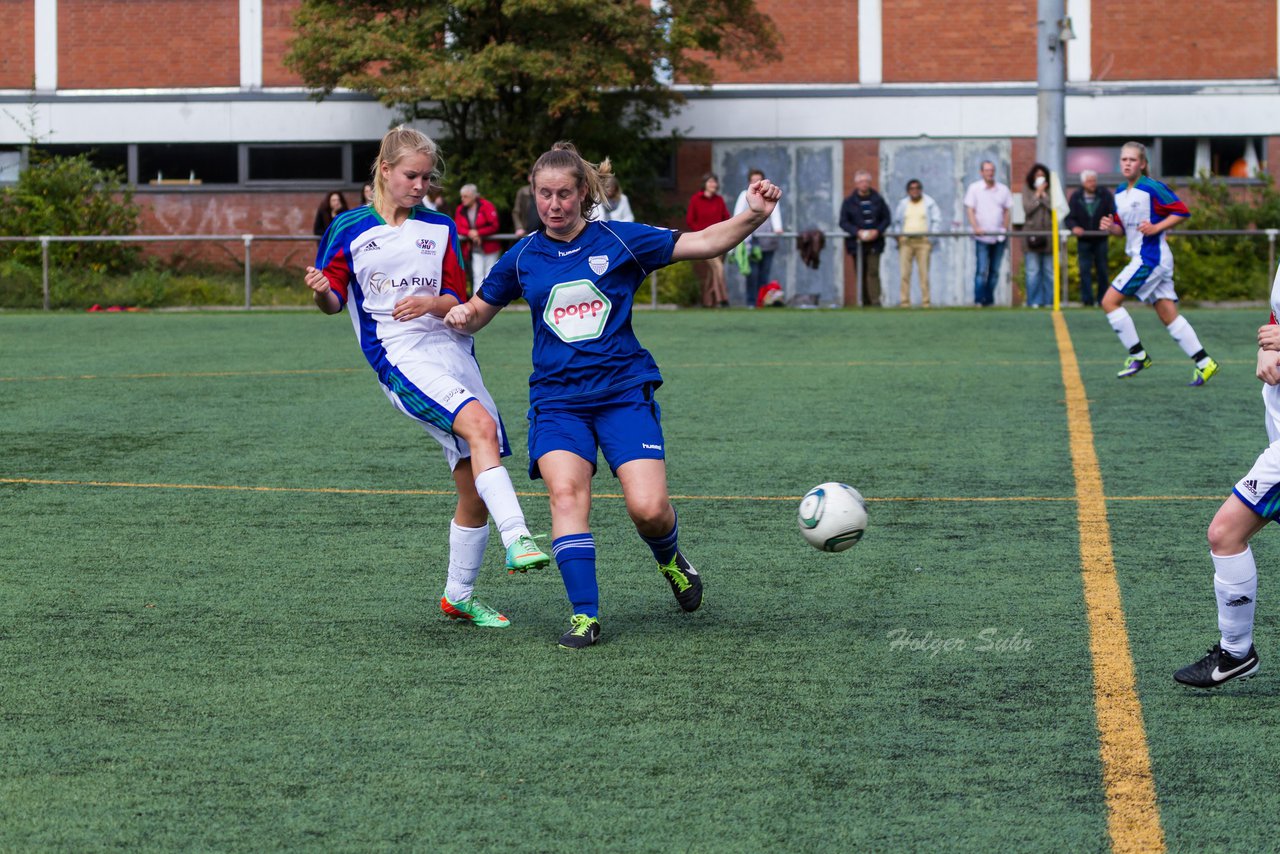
(10, 165)
(102, 156)
(183, 163)
(295, 163)
(362, 156)
(1101, 154)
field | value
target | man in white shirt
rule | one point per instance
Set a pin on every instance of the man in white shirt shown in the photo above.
(988, 204)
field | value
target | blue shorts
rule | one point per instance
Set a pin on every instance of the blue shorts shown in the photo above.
(625, 426)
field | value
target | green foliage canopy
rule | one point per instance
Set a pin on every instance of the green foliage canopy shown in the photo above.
(69, 196)
(506, 78)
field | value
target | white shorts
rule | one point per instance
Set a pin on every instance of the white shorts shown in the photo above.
(433, 384)
(1145, 282)
(1260, 488)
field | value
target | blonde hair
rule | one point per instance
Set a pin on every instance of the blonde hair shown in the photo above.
(1142, 152)
(399, 143)
(564, 156)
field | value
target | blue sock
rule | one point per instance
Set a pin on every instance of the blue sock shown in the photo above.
(576, 556)
(664, 547)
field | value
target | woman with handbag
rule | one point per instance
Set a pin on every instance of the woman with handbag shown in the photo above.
(1038, 207)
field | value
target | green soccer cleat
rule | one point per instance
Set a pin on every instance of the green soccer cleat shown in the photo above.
(686, 584)
(1132, 365)
(475, 612)
(523, 555)
(1201, 376)
(583, 632)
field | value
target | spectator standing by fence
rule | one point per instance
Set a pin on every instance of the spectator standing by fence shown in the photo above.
(865, 217)
(915, 215)
(1088, 205)
(524, 213)
(706, 208)
(333, 204)
(615, 207)
(987, 203)
(1038, 260)
(477, 219)
(765, 238)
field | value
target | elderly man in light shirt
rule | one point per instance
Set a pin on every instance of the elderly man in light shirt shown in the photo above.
(988, 204)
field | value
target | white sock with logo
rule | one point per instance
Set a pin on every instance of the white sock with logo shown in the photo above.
(1235, 581)
(1122, 323)
(466, 554)
(494, 486)
(1187, 339)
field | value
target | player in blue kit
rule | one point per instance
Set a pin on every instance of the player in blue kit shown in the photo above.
(396, 267)
(593, 385)
(1145, 210)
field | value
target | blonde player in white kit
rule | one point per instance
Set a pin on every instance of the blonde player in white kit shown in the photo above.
(1145, 210)
(1253, 503)
(396, 266)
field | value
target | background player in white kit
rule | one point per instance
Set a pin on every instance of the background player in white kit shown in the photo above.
(396, 266)
(1253, 503)
(1145, 210)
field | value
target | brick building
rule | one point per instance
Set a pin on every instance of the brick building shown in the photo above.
(193, 101)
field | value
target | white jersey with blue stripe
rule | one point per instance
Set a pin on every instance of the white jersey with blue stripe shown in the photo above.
(1271, 393)
(580, 294)
(371, 266)
(1150, 201)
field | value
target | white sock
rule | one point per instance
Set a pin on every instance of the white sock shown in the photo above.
(1122, 323)
(1187, 339)
(1235, 581)
(494, 486)
(466, 554)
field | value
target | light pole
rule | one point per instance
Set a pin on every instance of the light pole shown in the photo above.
(1053, 30)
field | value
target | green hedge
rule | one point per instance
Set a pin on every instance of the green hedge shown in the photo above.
(148, 286)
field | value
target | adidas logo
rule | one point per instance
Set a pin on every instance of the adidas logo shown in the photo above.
(1252, 486)
(371, 246)
(1236, 603)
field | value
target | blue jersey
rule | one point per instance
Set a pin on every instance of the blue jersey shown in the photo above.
(580, 295)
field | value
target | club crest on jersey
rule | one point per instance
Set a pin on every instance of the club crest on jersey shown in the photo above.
(577, 311)
(428, 247)
(598, 264)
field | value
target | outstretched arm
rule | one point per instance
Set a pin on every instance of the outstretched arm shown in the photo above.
(762, 198)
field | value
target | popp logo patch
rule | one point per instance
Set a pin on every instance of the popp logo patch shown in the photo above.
(577, 311)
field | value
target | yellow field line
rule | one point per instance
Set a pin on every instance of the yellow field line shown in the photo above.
(334, 490)
(1133, 817)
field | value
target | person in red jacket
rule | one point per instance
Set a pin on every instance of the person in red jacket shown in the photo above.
(477, 219)
(706, 208)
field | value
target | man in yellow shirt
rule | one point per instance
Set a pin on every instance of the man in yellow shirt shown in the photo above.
(915, 217)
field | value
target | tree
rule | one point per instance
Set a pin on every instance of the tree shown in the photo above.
(506, 78)
(70, 196)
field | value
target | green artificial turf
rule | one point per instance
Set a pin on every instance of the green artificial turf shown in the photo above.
(264, 666)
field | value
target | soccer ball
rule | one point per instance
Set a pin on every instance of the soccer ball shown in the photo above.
(833, 516)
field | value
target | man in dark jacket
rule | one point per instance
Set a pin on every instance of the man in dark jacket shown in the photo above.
(865, 217)
(1089, 205)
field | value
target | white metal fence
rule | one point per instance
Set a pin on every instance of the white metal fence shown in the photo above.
(960, 280)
